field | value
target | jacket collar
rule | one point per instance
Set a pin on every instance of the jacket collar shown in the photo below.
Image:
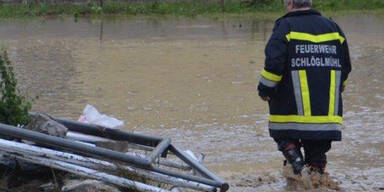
(302, 13)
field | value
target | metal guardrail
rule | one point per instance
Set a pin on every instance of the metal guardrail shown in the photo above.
(161, 146)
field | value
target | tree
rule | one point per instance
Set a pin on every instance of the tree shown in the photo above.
(14, 106)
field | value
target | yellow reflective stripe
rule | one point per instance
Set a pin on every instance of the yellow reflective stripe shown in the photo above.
(315, 38)
(305, 92)
(271, 76)
(288, 36)
(344, 83)
(331, 108)
(305, 119)
(342, 39)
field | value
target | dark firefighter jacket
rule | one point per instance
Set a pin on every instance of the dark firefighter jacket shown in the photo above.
(306, 68)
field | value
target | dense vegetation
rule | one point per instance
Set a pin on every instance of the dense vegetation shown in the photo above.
(14, 106)
(180, 8)
(325, 5)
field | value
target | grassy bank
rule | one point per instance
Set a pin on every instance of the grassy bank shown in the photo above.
(181, 9)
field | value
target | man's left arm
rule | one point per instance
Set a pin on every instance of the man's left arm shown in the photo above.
(276, 53)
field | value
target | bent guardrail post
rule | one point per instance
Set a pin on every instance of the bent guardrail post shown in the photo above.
(160, 149)
(199, 168)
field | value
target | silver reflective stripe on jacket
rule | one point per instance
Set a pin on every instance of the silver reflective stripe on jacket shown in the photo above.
(297, 90)
(267, 82)
(305, 126)
(337, 92)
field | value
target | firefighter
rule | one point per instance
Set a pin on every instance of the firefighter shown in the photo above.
(306, 69)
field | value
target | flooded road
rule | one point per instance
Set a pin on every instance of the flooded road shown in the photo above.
(194, 80)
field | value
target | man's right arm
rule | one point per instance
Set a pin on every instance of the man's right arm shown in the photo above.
(346, 67)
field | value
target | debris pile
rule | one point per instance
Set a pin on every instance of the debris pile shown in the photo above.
(52, 154)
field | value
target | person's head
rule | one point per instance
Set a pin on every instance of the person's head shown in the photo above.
(292, 5)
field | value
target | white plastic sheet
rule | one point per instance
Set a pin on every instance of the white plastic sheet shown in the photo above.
(91, 115)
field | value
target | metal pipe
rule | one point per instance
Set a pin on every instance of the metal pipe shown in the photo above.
(177, 165)
(166, 162)
(140, 147)
(96, 130)
(198, 167)
(160, 149)
(86, 138)
(187, 177)
(70, 145)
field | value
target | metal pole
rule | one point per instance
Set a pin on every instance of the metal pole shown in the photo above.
(95, 140)
(114, 134)
(198, 167)
(187, 177)
(166, 162)
(70, 145)
(160, 149)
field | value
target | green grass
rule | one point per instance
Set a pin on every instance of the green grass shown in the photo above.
(182, 8)
(335, 5)
(176, 9)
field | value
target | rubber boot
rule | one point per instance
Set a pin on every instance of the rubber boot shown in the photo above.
(325, 180)
(294, 181)
(292, 153)
(315, 177)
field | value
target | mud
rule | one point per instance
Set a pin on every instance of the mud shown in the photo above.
(195, 80)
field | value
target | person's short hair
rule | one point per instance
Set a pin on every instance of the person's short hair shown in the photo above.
(299, 3)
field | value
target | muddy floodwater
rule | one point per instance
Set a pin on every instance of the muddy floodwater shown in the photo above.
(194, 80)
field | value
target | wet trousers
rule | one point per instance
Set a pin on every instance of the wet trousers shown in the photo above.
(314, 150)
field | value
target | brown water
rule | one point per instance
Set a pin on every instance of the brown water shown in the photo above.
(194, 80)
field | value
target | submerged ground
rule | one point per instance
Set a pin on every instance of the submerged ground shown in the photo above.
(194, 80)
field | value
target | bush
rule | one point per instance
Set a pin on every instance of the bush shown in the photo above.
(14, 106)
(259, 3)
(266, 4)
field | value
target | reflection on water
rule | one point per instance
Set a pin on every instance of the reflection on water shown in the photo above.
(119, 28)
(192, 80)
